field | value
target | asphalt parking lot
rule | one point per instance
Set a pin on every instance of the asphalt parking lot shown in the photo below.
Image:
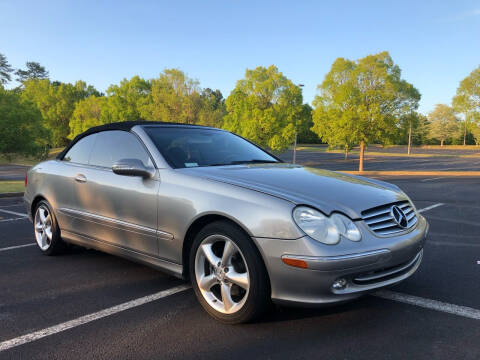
(392, 159)
(42, 295)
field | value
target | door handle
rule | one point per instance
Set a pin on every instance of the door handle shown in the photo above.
(80, 178)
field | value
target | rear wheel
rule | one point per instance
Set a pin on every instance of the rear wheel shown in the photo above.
(228, 275)
(45, 227)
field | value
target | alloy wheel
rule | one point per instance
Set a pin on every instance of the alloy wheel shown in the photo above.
(222, 274)
(43, 227)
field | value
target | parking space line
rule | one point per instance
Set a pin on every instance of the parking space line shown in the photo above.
(13, 213)
(14, 219)
(431, 179)
(24, 339)
(17, 247)
(430, 207)
(464, 311)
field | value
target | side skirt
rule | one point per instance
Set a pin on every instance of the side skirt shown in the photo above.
(154, 262)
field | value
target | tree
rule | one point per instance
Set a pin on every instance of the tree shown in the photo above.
(467, 98)
(5, 70)
(56, 102)
(88, 112)
(124, 100)
(265, 107)
(362, 101)
(305, 133)
(34, 71)
(212, 108)
(443, 123)
(174, 97)
(21, 124)
(412, 130)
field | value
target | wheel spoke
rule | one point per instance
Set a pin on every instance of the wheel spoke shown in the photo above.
(48, 232)
(240, 279)
(211, 257)
(48, 220)
(44, 240)
(228, 251)
(206, 282)
(42, 213)
(38, 227)
(228, 303)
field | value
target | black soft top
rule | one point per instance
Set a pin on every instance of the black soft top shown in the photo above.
(123, 126)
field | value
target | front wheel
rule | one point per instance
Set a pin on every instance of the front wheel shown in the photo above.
(228, 275)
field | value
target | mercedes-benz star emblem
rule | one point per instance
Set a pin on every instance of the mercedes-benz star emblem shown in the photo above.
(399, 216)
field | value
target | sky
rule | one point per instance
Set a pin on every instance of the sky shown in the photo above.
(435, 43)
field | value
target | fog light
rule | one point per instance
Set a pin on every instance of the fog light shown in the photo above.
(339, 284)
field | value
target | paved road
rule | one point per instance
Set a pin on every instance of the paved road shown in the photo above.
(12, 172)
(37, 292)
(336, 161)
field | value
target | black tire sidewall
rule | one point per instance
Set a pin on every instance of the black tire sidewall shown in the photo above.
(259, 292)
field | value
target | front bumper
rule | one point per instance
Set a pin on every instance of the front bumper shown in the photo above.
(370, 264)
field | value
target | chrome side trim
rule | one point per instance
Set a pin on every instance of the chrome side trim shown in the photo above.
(337, 258)
(115, 223)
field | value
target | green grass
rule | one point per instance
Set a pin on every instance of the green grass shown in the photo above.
(12, 186)
(22, 160)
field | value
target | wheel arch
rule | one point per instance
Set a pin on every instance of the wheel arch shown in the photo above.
(35, 201)
(199, 223)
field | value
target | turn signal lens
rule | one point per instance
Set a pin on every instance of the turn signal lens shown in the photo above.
(295, 263)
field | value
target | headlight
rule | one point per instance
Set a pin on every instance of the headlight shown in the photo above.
(327, 230)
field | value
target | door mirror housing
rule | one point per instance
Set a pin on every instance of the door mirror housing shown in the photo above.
(132, 167)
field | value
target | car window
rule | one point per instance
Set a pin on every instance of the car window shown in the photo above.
(111, 146)
(187, 147)
(80, 152)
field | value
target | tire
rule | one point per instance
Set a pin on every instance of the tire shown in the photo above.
(229, 280)
(46, 230)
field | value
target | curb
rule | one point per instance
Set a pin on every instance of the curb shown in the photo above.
(416, 173)
(11, 194)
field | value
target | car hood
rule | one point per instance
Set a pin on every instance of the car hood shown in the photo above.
(326, 190)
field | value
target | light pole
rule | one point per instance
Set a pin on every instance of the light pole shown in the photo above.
(295, 143)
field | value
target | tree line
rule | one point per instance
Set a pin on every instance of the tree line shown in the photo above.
(359, 102)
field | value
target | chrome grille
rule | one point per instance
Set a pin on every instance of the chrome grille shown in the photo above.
(380, 220)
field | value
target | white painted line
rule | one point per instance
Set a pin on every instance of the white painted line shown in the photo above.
(430, 207)
(431, 179)
(14, 219)
(13, 213)
(24, 339)
(17, 247)
(464, 311)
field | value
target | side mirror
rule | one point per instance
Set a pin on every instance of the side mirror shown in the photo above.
(132, 167)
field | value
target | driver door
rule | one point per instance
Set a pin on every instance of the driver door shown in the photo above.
(120, 210)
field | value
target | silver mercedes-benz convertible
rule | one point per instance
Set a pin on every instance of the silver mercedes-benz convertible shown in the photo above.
(242, 225)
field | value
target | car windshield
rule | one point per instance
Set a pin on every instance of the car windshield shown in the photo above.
(188, 147)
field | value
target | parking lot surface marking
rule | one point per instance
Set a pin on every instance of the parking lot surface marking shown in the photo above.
(431, 179)
(430, 207)
(24, 339)
(13, 213)
(464, 311)
(14, 219)
(17, 247)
